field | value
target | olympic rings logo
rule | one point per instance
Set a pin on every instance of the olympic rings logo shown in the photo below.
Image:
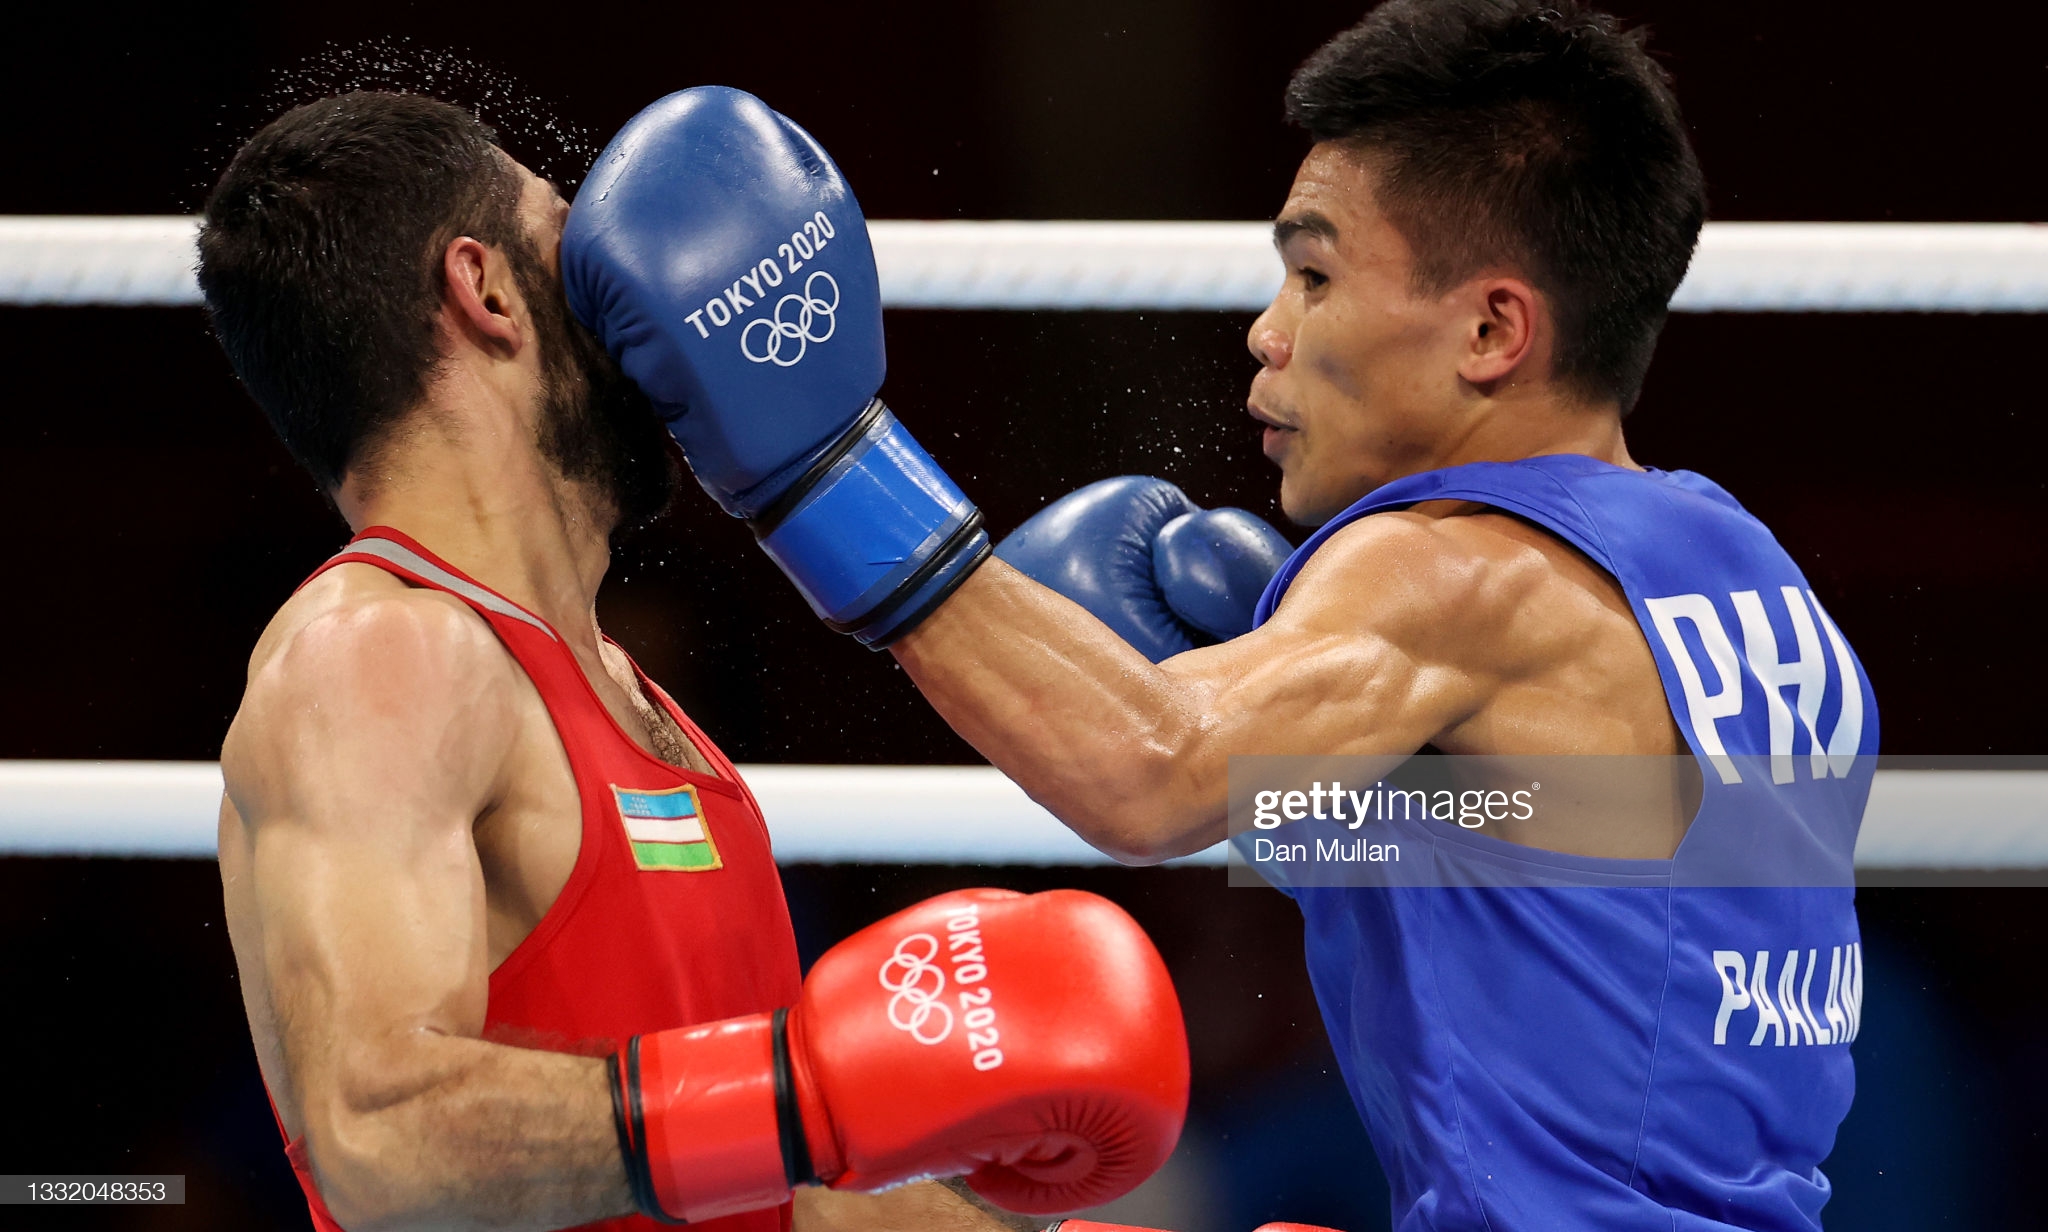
(916, 1007)
(798, 331)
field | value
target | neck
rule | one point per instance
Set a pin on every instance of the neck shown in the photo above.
(1521, 423)
(488, 503)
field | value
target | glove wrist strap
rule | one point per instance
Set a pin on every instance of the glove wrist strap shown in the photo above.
(699, 1110)
(765, 522)
(874, 534)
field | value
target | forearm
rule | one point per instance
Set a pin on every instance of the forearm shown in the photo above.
(993, 1216)
(1116, 747)
(934, 1206)
(466, 1134)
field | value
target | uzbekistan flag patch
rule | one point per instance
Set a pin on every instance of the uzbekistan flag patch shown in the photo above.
(666, 830)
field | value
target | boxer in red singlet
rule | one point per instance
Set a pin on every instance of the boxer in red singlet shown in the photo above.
(467, 849)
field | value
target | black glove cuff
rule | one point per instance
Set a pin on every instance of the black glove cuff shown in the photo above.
(622, 1070)
(789, 1122)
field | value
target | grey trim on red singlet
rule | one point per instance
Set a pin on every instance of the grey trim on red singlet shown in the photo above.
(405, 558)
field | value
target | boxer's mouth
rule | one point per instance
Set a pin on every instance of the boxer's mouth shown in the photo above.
(1277, 433)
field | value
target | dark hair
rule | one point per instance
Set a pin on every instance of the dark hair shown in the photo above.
(320, 258)
(1536, 135)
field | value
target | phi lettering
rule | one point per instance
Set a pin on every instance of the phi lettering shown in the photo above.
(1785, 1014)
(1805, 673)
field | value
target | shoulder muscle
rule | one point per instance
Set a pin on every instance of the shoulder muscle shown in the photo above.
(1413, 578)
(385, 692)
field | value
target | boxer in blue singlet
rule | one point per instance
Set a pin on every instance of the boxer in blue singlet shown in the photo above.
(1481, 246)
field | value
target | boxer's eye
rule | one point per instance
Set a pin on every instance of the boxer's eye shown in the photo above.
(1312, 278)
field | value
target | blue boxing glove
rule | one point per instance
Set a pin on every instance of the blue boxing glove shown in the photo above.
(722, 260)
(1164, 573)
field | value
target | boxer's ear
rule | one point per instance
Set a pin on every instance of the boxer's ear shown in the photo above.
(1504, 327)
(480, 296)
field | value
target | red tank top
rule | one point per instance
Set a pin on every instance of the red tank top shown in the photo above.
(674, 912)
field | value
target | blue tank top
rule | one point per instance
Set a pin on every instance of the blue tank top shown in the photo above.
(1628, 1043)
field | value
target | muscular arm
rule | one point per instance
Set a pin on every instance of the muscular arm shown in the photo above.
(372, 737)
(1371, 653)
(369, 742)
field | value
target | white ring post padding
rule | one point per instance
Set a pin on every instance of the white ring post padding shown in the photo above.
(1215, 266)
(1917, 819)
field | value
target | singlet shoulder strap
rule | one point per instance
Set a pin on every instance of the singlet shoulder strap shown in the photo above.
(1534, 488)
(388, 547)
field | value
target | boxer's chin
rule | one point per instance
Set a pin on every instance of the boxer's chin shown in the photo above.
(1296, 499)
(1291, 506)
(1309, 499)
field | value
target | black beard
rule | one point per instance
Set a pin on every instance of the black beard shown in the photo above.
(596, 427)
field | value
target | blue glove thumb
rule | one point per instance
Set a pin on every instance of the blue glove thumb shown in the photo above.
(1213, 564)
(1165, 574)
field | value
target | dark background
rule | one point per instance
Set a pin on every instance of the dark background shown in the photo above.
(155, 525)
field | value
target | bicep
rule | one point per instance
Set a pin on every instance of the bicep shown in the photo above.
(371, 934)
(1375, 650)
(358, 765)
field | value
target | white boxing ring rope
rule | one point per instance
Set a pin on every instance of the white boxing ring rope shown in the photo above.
(1937, 820)
(816, 814)
(1940, 820)
(1215, 266)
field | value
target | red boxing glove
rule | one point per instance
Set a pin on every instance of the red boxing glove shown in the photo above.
(1032, 1044)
